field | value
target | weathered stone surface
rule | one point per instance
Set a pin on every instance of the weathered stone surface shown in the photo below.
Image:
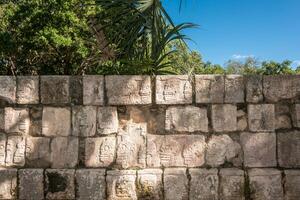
(35, 115)
(91, 184)
(28, 90)
(265, 184)
(289, 149)
(261, 117)
(64, 152)
(55, 90)
(56, 121)
(31, 184)
(84, 121)
(204, 184)
(254, 89)
(242, 121)
(7, 90)
(292, 184)
(149, 184)
(186, 119)
(17, 120)
(224, 118)
(107, 120)
(38, 152)
(232, 184)
(76, 90)
(209, 88)
(93, 90)
(60, 184)
(282, 114)
(296, 115)
(221, 149)
(15, 151)
(100, 152)
(175, 184)
(3, 141)
(121, 185)
(128, 90)
(8, 186)
(173, 90)
(2, 119)
(234, 89)
(175, 150)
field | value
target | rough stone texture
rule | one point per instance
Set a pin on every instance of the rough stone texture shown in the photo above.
(56, 121)
(204, 184)
(55, 90)
(254, 88)
(224, 118)
(234, 89)
(296, 115)
(289, 149)
(7, 90)
(2, 119)
(3, 141)
(282, 114)
(107, 120)
(28, 90)
(292, 184)
(60, 184)
(8, 183)
(121, 185)
(265, 184)
(149, 184)
(242, 120)
(15, 151)
(259, 149)
(221, 149)
(64, 152)
(232, 184)
(100, 152)
(186, 119)
(38, 152)
(76, 90)
(173, 90)
(209, 88)
(91, 184)
(175, 150)
(93, 90)
(84, 121)
(36, 115)
(17, 120)
(128, 90)
(261, 117)
(31, 184)
(175, 184)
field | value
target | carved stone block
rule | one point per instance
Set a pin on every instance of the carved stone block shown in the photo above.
(28, 90)
(186, 119)
(7, 90)
(282, 114)
(234, 89)
(107, 120)
(292, 183)
(296, 115)
(93, 90)
(100, 152)
(289, 149)
(232, 184)
(204, 184)
(60, 184)
(55, 90)
(31, 184)
(38, 152)
(76, 90)
(224, 118)
(121, 185)
(91, 184)
(149, 184)
(84, 121)
(209, 88)
(36, 115)
(56, 121)
(175, 150)
(17, 120)
(15, 151)
(261, 117)
(3, 141)
(128, 90)
(175, 184)
(173, 90)
(8, 186)
(254, 89)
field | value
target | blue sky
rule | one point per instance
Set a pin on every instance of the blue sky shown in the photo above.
(265, 29)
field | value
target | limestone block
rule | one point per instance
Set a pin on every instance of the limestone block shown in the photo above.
(55, 89)
(2, 119)
(64, 152)
(204, 184)
(149, 184)
(3, 141)
(296, 115)
(7, 90)
(128, 90)
(100, 152)
(282, 114)
(93, 90)
(242, 121)
(15, 151)
(60, 184)
(84, 121)
(186, 119)
(17, 120)
(36, 115)
(289, 149)
(232, 184)
(107, 120)
(265, 184)
(31, 184)
(261, 117)
(175, 150)
(8, 186)
(76, 90)
(254, 89)
(28, 90)
(174, 90)
(259, 149)
(121, 185)
(234, 89)
(224, 118)
(209, 88)
(91, 184)
(175, 184)
(292, 184)
(56, 121)
(38, 152)
(221, 149)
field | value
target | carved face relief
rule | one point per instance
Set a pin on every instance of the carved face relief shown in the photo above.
(193, 152)
(122, 188)
(106, 151)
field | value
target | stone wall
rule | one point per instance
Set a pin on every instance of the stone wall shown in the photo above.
(206, 137)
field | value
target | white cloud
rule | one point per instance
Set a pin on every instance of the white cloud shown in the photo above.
(296, 63)
(241, 57)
